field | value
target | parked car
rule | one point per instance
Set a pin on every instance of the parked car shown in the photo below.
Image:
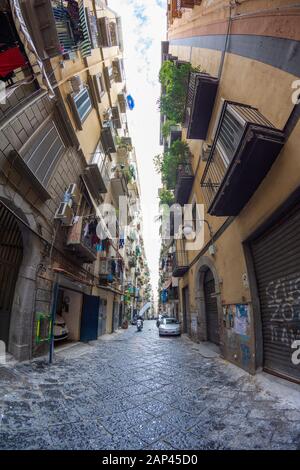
(169, 327)
(60, 329)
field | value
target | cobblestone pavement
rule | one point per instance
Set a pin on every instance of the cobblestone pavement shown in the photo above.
(139, 391)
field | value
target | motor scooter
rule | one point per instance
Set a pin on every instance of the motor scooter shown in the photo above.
(139, 325)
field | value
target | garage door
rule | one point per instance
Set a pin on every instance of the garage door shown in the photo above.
(211, 308)
(276, 256)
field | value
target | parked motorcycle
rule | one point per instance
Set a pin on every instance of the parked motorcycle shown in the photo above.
(139, 325)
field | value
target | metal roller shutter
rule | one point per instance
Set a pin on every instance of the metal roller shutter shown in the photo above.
(211, 308)
(276, 256)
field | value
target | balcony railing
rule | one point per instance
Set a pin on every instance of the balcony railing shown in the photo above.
(97, 173)
(111, 270)
(245, 147)
(180, 262)
(184, 183)
(119, 185)
(200, 101)
(116, 117)
(108, 137)
(118, 70)
(59, 27)
(80, 240)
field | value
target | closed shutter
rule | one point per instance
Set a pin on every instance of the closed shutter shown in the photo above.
(85, 45)
(276, 256)
(211, 308)
(38, 158)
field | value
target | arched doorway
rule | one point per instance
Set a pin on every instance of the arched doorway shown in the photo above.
(208, 302)
(211, 307)
(11, 253)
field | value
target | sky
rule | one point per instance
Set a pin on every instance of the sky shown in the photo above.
(144, 27)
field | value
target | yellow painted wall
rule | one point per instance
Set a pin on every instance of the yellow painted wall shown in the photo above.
(269, 89)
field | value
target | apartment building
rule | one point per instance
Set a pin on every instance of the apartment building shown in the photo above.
(63, 134)
(240, 288)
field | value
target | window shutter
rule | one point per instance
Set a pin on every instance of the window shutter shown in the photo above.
(38, 158)
(85, 45)
(107, 77)
(81, 106)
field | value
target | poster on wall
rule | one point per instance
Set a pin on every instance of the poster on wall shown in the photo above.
(241, 319)
(194, 324)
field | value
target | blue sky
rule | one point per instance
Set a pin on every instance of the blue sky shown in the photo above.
(144, 27)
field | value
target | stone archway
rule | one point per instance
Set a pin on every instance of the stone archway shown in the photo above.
(23, 304)
(203, 265)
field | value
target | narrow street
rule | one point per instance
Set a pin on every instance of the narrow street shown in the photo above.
(138, 391)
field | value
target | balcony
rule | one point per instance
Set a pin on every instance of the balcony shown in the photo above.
(118, 70)
(245, 147)
(108, 137)
(184, 183)
(118, 185)
(80, 242)
(116, 117)
(180, 264)
(175, 134)
(97, 173)
(57, 29)
(111, 270)
(122, 102)
(199, 104)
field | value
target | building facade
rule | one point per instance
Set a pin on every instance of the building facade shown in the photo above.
(65, 151)
(240, 288)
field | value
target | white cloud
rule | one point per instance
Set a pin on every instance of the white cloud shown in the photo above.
(144, 27)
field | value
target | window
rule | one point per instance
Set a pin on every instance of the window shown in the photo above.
(108, 76)
(81, 106)
(99, 85)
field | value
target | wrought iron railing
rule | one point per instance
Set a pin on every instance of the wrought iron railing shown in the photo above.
(234, 121)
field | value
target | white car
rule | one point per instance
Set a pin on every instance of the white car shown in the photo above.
(169, 327)
(60, 329)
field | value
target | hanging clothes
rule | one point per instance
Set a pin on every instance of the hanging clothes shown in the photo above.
(86, 230)
(10, 60)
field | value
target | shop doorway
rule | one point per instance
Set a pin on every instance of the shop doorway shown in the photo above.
(102, 317)
(211, 308)
(11, 254)
(185, 304)
(67, 323)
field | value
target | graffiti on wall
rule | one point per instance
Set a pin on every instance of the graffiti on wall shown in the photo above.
(283, 302)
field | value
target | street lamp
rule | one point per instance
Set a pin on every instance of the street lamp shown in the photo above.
(188, 230)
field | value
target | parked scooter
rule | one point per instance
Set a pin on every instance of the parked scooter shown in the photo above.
(139, 324)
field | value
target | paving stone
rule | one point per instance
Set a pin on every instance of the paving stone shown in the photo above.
(170, 398)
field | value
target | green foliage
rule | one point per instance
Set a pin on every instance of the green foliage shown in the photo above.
(174, 79)
(166, 197)
(166, 128)
(168, 162)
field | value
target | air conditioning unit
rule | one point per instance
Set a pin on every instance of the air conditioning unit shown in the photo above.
(73, 192)
(206, 148)
(76, 83)
(64, 213)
